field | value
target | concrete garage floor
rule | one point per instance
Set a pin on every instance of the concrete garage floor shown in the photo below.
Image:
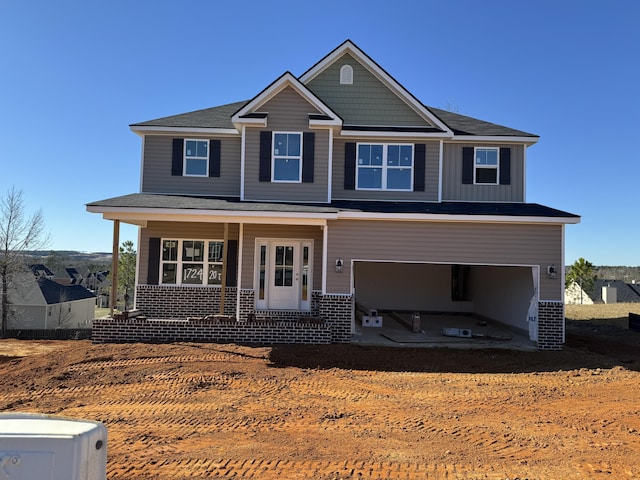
(394, 333)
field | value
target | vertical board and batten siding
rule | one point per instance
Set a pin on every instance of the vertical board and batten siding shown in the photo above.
(432, 169)
(285, 232)
(287, 112)
(365, 102)
(178, 230)
(442, 242)
(454, 190)
(157, 178)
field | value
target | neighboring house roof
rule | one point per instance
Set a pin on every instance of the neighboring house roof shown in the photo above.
(625, 293)
(54, 293)
(184, 202)
(40, 270)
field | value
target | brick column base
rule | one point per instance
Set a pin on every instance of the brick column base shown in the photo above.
(550, 325)
(337, 311)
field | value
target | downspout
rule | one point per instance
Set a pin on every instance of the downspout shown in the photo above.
(114, 267)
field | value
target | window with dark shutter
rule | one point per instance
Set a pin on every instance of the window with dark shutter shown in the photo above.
(467, 165)
(308, 156)
(232, 263)
(505, 166)
(419, 167)
(214, 158)
(350, 166)
(176, 156)
(265, 156)
(153, 262)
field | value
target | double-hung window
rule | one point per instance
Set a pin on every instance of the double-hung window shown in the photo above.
(196, 158)
(486, 161)
(384, 167)
(287, 157)
(191, 262)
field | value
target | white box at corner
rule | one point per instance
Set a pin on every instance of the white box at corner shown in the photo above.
(371, 321)
(45, 447)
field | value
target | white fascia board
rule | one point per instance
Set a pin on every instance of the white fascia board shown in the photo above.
(325, 123)
(418, 217)
(133, 215)
(528, 141)
(150, 130)
(377, 71)
(369, 134)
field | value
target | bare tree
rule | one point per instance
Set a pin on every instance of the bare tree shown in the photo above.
(18, 234)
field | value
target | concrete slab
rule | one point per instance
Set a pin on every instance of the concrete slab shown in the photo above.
(394, 333)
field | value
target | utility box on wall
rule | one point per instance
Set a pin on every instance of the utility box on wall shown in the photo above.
(44, 447)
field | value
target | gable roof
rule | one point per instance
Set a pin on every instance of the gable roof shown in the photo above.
(54, 293)
(326, 115)
(625, 293)
(220, 119)
(349, 47)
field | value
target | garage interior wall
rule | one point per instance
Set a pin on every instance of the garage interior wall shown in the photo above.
(406, 287)
(503, 294)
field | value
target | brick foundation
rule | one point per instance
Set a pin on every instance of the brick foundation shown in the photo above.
(550, 325)
(108, 330)
(337, 310)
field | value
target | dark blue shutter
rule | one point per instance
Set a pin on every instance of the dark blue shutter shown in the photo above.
(265, 156)
(505, 166)
(214, 158)
(232, 262)
(350, 166)
(419, 166)
(308, 156)
(153, 262)
(467, 165)
(177, 156)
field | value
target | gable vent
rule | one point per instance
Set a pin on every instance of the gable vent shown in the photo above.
(346, 75)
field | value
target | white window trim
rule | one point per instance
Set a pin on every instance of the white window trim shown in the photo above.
(274, 157)
(180, 261)
(346, 75)
(385, 167)
(497, 167)
(193, 157)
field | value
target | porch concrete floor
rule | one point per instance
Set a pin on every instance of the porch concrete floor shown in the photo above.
(395, 334)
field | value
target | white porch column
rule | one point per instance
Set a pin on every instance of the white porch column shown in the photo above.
(114, 267)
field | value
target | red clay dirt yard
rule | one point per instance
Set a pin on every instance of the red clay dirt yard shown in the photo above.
(344, 412)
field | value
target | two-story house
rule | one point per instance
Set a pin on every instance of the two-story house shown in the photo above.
(331, 189)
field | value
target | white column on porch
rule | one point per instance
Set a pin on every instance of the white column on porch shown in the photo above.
(239, 276)
(114, 266)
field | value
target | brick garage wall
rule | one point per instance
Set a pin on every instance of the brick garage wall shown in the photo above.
(337, 311)
(550, 325)
(107, 330)
(182, 302)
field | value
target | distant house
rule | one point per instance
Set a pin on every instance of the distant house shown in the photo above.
(43, 304)
(624, 293)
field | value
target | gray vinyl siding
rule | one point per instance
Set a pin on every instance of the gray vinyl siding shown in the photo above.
(432, 172)
(287, 112)
(157, 178)
(251, 232)
(178, 230)
(366, 102)
(442, 242)
(454, 190)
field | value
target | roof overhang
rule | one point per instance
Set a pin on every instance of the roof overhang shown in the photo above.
(494, 139)
(142, 215)
(150, 130)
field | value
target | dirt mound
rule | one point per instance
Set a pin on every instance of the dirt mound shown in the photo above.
(344, 412)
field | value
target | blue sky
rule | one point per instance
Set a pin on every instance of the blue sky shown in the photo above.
(76, 74)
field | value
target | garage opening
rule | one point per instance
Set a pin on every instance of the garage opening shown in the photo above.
(471, 301)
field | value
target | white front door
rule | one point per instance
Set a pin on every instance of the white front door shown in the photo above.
(284, 266)
(283, 274)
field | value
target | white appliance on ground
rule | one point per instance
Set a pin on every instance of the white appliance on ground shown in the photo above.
(44, 447)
